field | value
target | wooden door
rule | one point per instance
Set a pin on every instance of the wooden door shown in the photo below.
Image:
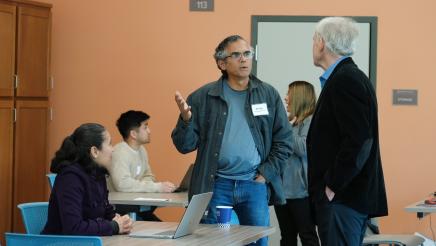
(30, 155)
(33, 51)
(7, 49)
(6, 168)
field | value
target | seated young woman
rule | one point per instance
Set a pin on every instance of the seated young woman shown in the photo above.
(78, 202)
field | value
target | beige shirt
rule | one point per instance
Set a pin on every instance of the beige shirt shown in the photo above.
(130, 171)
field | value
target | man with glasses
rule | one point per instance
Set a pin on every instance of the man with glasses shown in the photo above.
(239, 127)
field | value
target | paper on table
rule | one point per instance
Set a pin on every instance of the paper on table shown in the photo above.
(151, 199)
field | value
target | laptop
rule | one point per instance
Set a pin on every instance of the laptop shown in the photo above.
(190, 220)
(184, 185)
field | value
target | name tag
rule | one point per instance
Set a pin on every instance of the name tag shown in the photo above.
(259, 109)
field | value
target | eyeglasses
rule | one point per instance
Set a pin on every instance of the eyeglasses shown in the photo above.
(237, 55)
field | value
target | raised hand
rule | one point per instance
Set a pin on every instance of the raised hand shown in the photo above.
(185, 109)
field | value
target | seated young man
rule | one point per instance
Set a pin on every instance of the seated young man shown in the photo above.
(130, 170)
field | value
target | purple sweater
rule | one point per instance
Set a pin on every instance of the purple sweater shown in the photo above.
(79, 204)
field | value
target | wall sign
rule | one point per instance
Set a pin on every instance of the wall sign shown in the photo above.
(200, 5)
(405, 97)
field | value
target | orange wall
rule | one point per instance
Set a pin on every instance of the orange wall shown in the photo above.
(110, 56)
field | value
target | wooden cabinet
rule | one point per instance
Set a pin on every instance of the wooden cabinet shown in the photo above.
(33, 51)
(30, 154)
(24, 107)
(6, 164)
(24, 40)
(7, 49)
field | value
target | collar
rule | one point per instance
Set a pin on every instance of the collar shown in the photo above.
(217, 87)
(325, 76)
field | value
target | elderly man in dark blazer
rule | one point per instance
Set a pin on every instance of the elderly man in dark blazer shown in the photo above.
(346, 183)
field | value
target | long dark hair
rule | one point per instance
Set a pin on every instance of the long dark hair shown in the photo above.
(76, 149)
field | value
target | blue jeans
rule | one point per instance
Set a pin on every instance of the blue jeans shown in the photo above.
(248, 198)
(338, 224)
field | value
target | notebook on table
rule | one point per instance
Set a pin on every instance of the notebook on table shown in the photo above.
(187, 225)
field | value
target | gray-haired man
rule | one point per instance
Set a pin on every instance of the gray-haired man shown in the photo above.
(346, 181)
(239, 127)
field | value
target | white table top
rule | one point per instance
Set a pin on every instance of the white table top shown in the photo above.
(149, 199)
(204, 235)
(420, 207)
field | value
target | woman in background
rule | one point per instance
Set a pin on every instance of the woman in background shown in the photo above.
(295, 218)
(78, 202)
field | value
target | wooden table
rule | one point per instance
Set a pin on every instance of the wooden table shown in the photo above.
(204, 235)
(147, 199)
(421, 209)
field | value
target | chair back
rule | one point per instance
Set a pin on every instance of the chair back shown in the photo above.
(234, 220)
(51, 179)
(34, 216)
(18, 239)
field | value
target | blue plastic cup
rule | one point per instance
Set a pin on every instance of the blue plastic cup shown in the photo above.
(132, 216)
(223, 216)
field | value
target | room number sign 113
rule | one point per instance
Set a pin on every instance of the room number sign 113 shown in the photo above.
(201, 5)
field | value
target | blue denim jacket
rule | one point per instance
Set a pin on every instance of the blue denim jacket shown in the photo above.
(204, 133)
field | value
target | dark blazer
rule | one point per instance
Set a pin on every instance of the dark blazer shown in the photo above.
(79, 204)
(343, 143)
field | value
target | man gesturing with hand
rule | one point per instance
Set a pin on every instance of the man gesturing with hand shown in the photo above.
(239, 127)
